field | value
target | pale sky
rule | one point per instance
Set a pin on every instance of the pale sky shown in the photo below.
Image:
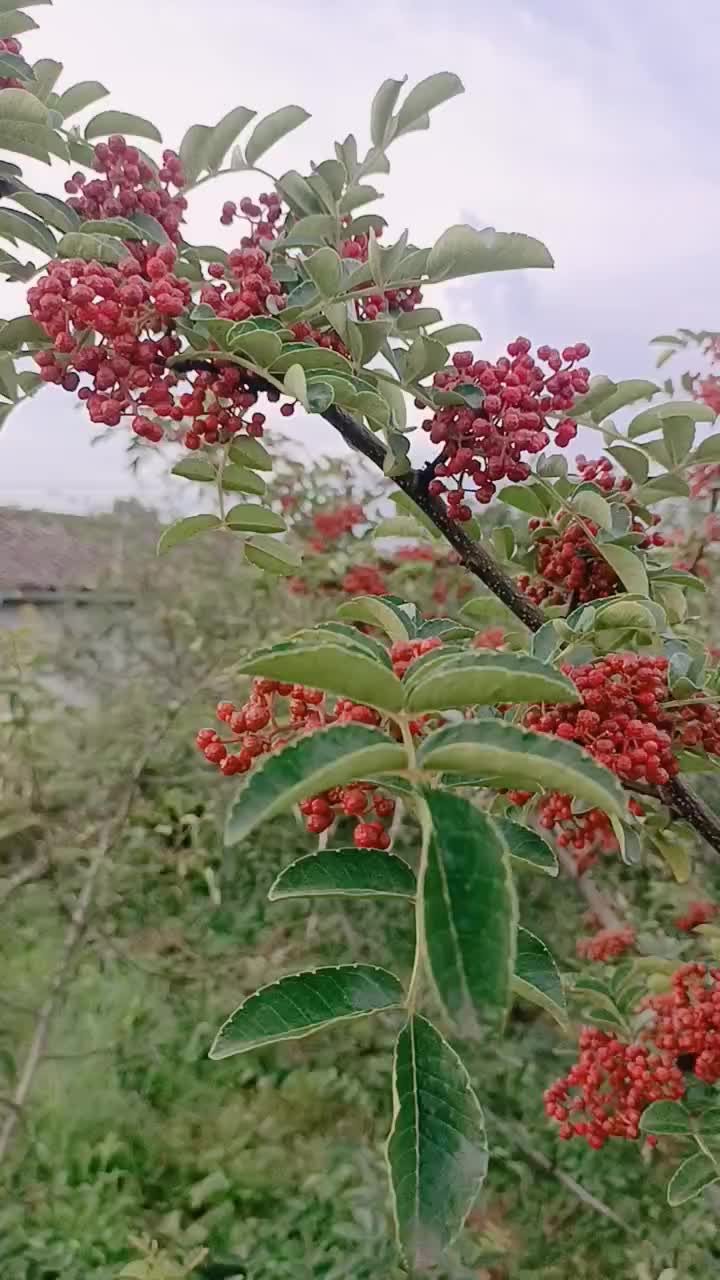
(590, 125)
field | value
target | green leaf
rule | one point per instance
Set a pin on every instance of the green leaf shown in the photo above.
(13, 268)
(13, 67)
(250, 518)
(536, 976)
(417, 319)
(316, 229)
(601, 388)
(16, 333)
(325, 269)
(708, 1123)
(46, 72)
(76, 244)
(8, 377)
(263, 347)
(22, 226)
(272, 556)
(295, 383)
(20, 104)
(271, 129)
(470, 911)
(632, 461)
(666, 486)
(184, 529)
(475, 679)
(523, 760)
(223, 135)
(652, 419)
(426, 95)
(588, 502)
(297, 192)
(150, 227)
(349, 873)
(192, 151)
(79, 96)
(237, 479)
(452, 333)
(708, 450)
(523, 499)
(302, 1003)
(320, 395)
(527, 848)
(15, 23)
(625, 393)
(372, 333)
(356, 195)
(694, 1175)
(678, 437)
(395, 617)
(51, 210)
(248, 452)
(108, 122)
(628, 567)
(394, 397)
(328, 664)
(437, 1149)
(315, 762)
(666, 1118)
(464, 251)
(309, 356)
(199, 469)
(381, 111)
(119, 227)
(352, 636)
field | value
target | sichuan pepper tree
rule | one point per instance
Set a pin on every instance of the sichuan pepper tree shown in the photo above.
(562, 735)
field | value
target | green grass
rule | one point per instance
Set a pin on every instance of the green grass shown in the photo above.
(272, 1162)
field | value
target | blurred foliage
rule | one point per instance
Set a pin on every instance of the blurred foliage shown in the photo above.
(136, 1156)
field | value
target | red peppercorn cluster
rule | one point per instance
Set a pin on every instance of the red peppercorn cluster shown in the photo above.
(364, 580)
(129, 185)
(262, 725)
(10, 45)
(621, 720)
(567, 563)
(129, 312)
(330, 525)
(262, 217)
(606, 946)
(492, 638)
(391, 302)
(687, 1020)
(695, 914)
(606, 1091)
(481, 446)
(404, 652)
(244, 288)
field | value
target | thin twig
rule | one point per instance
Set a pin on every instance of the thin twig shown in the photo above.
(541, 1161)
(34, 870)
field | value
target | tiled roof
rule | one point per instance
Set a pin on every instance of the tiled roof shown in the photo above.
(39, 552)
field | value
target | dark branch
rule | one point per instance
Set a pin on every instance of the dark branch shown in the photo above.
(474, 556)
(680, 799)
(685, 804)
